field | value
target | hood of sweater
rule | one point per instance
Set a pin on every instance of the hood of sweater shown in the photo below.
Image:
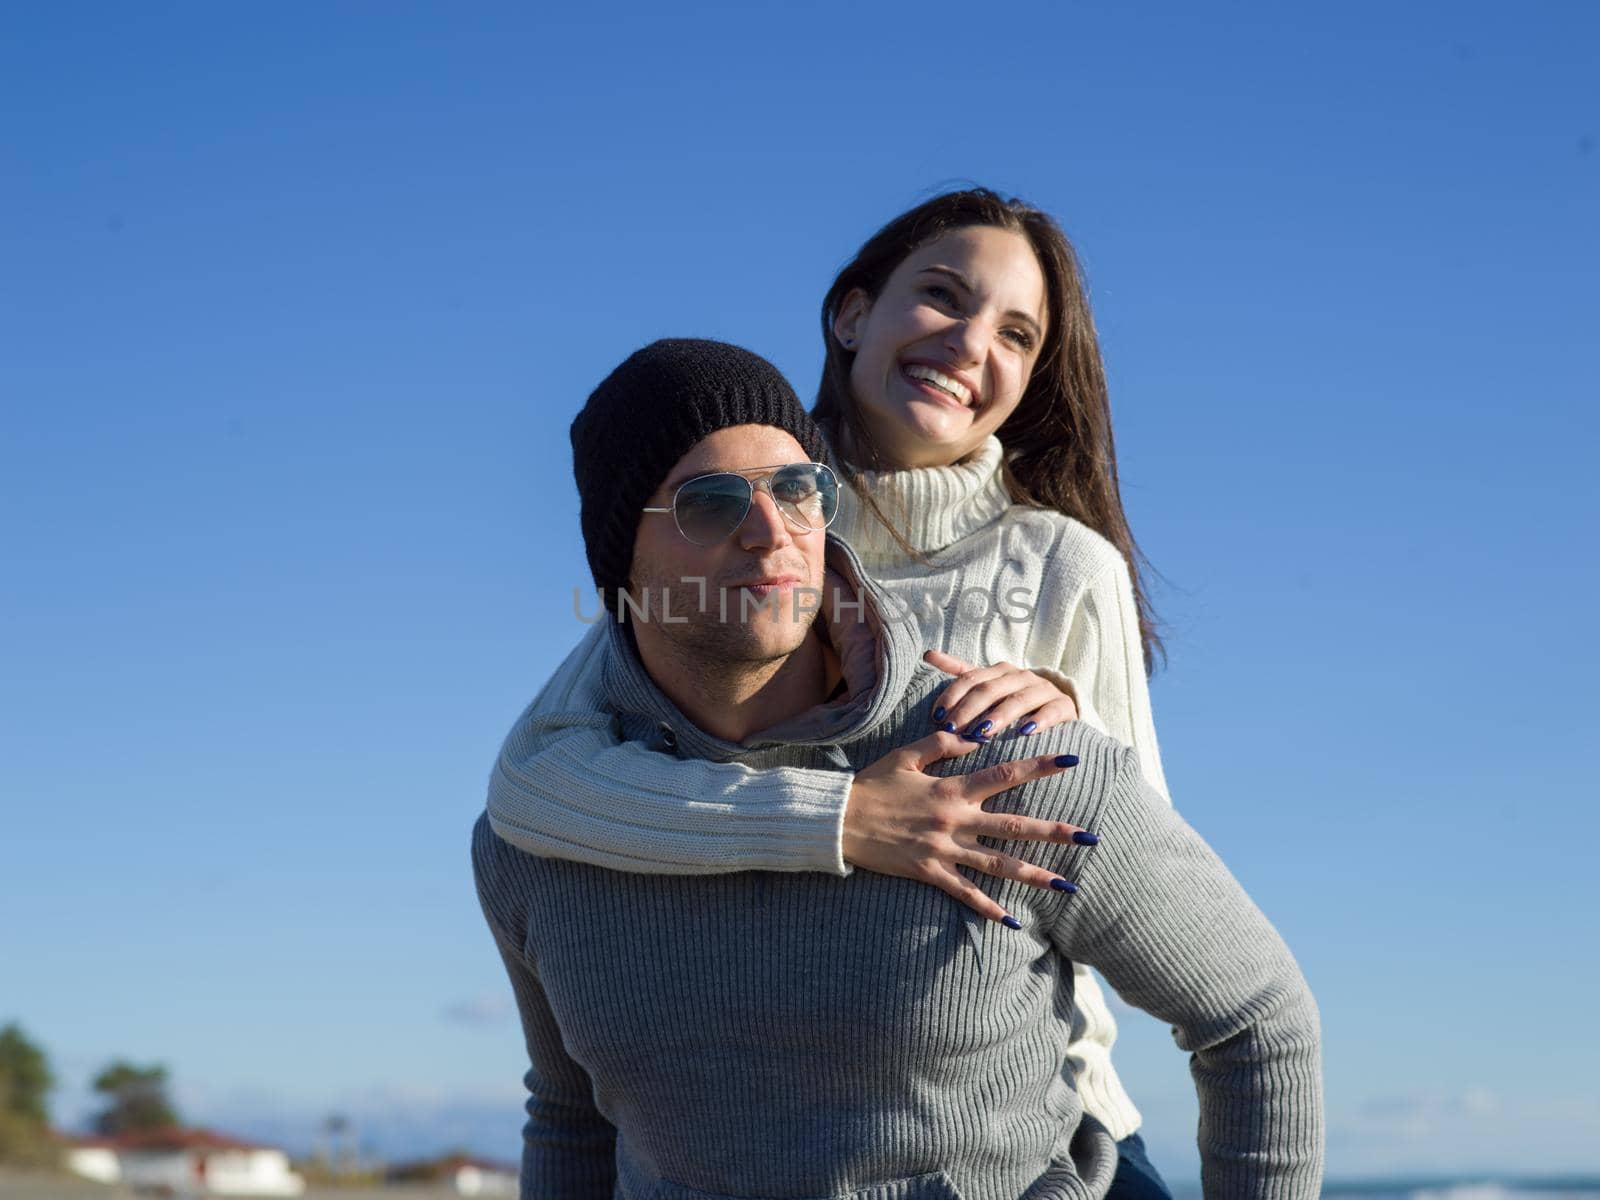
(934, 506)
(879, 657)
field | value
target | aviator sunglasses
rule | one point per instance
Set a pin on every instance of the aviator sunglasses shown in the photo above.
(709, 508)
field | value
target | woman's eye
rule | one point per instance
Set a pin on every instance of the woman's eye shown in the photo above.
(941, 293)
(1020, 338)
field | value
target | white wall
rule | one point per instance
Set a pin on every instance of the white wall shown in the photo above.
(94, 1162)
(252, 1173)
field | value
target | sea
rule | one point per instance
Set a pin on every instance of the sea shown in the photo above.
(1480, 1188)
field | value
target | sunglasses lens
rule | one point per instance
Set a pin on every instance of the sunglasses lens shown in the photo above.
(808, 493)
(710, 508)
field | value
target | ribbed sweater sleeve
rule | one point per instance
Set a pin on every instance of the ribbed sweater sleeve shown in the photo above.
(1172, 931)
(568, 1148)
(566, 785)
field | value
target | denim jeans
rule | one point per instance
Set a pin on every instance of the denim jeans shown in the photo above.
(1137, 1177)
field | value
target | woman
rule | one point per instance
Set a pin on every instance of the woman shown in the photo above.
(964, 396)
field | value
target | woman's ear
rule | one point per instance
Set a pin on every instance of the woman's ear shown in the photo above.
(853, 310)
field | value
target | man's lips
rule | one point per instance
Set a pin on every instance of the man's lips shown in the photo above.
(768, 584)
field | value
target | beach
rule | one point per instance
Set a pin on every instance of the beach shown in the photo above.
(37, 1185)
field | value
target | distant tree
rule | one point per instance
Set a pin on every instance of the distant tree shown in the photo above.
(136, 1099)
(25, 1082)
(25, 1143)
(25, 1078)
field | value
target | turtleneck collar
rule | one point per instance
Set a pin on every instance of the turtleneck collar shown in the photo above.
(934, 507)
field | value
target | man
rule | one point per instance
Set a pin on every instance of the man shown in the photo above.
(767, 1035)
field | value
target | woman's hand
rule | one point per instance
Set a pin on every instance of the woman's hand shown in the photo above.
(900, 821)
(982, 701)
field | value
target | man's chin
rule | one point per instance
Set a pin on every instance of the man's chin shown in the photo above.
(765, 639)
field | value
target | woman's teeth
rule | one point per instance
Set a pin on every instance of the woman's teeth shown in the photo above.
(954, 388)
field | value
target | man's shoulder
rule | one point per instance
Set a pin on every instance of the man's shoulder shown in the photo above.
(1101, 759)
(1075, 795)
(499, 866)
(1071, 737)
(513, 885)
(487, 849)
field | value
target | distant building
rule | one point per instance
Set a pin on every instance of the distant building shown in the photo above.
(467, 1175)
(186, 1162)
(94, 1158)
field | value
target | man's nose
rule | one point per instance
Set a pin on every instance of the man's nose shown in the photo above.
(764, 525)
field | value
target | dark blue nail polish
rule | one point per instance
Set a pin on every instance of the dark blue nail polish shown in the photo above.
(947, 727)
(981, 739)
(1029, 726)
(938, 713)
(1010, 922)
(984, 727)
(1061, 885)
(1084, 838)
(1066, 760)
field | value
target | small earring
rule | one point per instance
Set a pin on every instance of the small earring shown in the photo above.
(848, 343)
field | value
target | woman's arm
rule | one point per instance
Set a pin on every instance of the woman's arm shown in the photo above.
(1161, 918)
(566, 786)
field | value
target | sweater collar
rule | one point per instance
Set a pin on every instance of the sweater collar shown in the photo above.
(934, 506)
(879, 654)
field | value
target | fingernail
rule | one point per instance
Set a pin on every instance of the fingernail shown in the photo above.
(1066, 760)
(984, 727)
(981, 739)
(1010, 922)
(938, 713)
(1061, 885)
(947, 727)
(1084, 838)
(1029, 726)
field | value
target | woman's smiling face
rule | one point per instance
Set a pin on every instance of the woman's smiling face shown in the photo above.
(944, 353)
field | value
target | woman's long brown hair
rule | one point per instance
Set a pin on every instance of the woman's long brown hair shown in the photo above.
(1060, 453)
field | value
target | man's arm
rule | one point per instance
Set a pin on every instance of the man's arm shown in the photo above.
(1172, 931)
(568, 1148)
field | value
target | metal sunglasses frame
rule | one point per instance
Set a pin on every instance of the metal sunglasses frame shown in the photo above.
(762, 481)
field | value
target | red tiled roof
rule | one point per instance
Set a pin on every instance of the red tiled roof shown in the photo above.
(87, 1141)
(180, 1139)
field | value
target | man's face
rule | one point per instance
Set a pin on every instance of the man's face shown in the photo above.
(751, 597)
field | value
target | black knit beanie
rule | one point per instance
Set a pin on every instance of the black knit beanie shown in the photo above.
(647, 414)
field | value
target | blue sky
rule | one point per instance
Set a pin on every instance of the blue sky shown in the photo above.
(297, 302)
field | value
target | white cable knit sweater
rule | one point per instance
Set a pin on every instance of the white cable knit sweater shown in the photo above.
(1028, 586)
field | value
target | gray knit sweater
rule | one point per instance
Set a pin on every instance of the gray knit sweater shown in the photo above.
(815, 1036)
